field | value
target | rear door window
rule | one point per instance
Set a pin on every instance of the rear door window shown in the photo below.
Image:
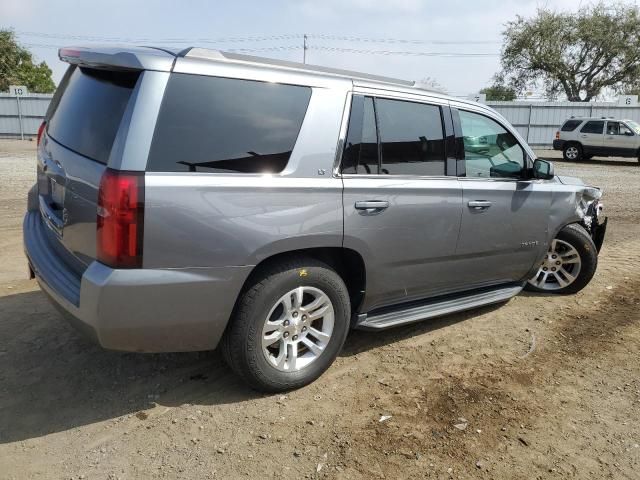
(218, 125)
(88, 108)
(594, 126)
(411, 138)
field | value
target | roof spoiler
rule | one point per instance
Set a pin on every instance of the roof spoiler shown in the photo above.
(119, 58)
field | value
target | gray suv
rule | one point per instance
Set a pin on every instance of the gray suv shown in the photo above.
(195, 199)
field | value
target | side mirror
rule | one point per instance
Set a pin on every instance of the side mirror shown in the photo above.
(542, 169)
(629, 133)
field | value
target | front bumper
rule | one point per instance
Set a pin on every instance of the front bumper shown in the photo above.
(142, 310)
(558, 144)
(595, 222)
(598, 232)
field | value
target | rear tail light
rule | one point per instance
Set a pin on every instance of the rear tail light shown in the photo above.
(40, 132)
(120, 222)
(557, 135)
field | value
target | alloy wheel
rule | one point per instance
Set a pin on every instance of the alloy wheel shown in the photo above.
(560, 267)
(298, 328)
(572, 153)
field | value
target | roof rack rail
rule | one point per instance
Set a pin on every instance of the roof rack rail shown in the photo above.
(209, 54)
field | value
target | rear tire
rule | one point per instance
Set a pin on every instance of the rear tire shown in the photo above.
(569, 265)
(278, 307)
(572, 152)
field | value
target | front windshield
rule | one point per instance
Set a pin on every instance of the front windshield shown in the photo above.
(633, 126)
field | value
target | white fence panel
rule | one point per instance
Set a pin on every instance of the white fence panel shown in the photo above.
(538, 122)
(20, 117)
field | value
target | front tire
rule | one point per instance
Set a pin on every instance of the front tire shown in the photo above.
(572, 152)
(569, 265)
(289, 325)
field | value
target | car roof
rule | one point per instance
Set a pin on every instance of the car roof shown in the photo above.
(163, 59)
(582, 119)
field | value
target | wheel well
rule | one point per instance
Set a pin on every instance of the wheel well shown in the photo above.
(568, 143)
(346, 262)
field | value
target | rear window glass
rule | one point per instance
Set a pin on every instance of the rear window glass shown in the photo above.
(570, 125)
(595, 126)
(88, 108)
(411, 138)
(211, 124)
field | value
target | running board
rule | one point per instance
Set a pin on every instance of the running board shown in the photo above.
(434, 308)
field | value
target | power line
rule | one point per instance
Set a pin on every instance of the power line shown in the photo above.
(403, 40)
(403, 53)
(259, 49)
(331, 49)
(94, 38)
(295, 36)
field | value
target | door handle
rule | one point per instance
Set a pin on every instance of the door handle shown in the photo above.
(479, 204)
(583, 136)
(372, 206)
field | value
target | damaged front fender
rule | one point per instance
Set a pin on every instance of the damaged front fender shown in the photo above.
(588, 208)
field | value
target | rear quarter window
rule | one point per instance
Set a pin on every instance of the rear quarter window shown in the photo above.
(87, 110)
(570, 125)
(212, 124)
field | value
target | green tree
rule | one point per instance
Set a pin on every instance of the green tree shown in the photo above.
(579, 54)
(499, 92)
(18, 68)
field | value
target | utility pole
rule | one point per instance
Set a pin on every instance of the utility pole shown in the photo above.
(304, 48)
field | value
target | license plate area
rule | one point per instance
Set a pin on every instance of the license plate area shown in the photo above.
(57, 195)
(52, 206)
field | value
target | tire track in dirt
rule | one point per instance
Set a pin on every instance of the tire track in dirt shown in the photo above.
(424, 434)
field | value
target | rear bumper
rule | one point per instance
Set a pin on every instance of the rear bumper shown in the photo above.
(142, 310)
(558, 144)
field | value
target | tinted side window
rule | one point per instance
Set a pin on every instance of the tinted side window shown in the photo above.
(489, 149)
(570, 125)
(411, 137)
(87, 110)
(361, 147)
(594, 126)
(211, 124)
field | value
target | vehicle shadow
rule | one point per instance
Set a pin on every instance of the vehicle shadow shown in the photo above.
(360, 341)
(52, 379)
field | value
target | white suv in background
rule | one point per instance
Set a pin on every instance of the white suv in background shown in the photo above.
(584, 138)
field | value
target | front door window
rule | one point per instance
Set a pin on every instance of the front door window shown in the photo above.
(489, 149)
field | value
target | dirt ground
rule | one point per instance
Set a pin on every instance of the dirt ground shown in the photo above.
(541, 387)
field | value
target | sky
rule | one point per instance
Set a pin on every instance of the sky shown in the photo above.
(342, 33)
